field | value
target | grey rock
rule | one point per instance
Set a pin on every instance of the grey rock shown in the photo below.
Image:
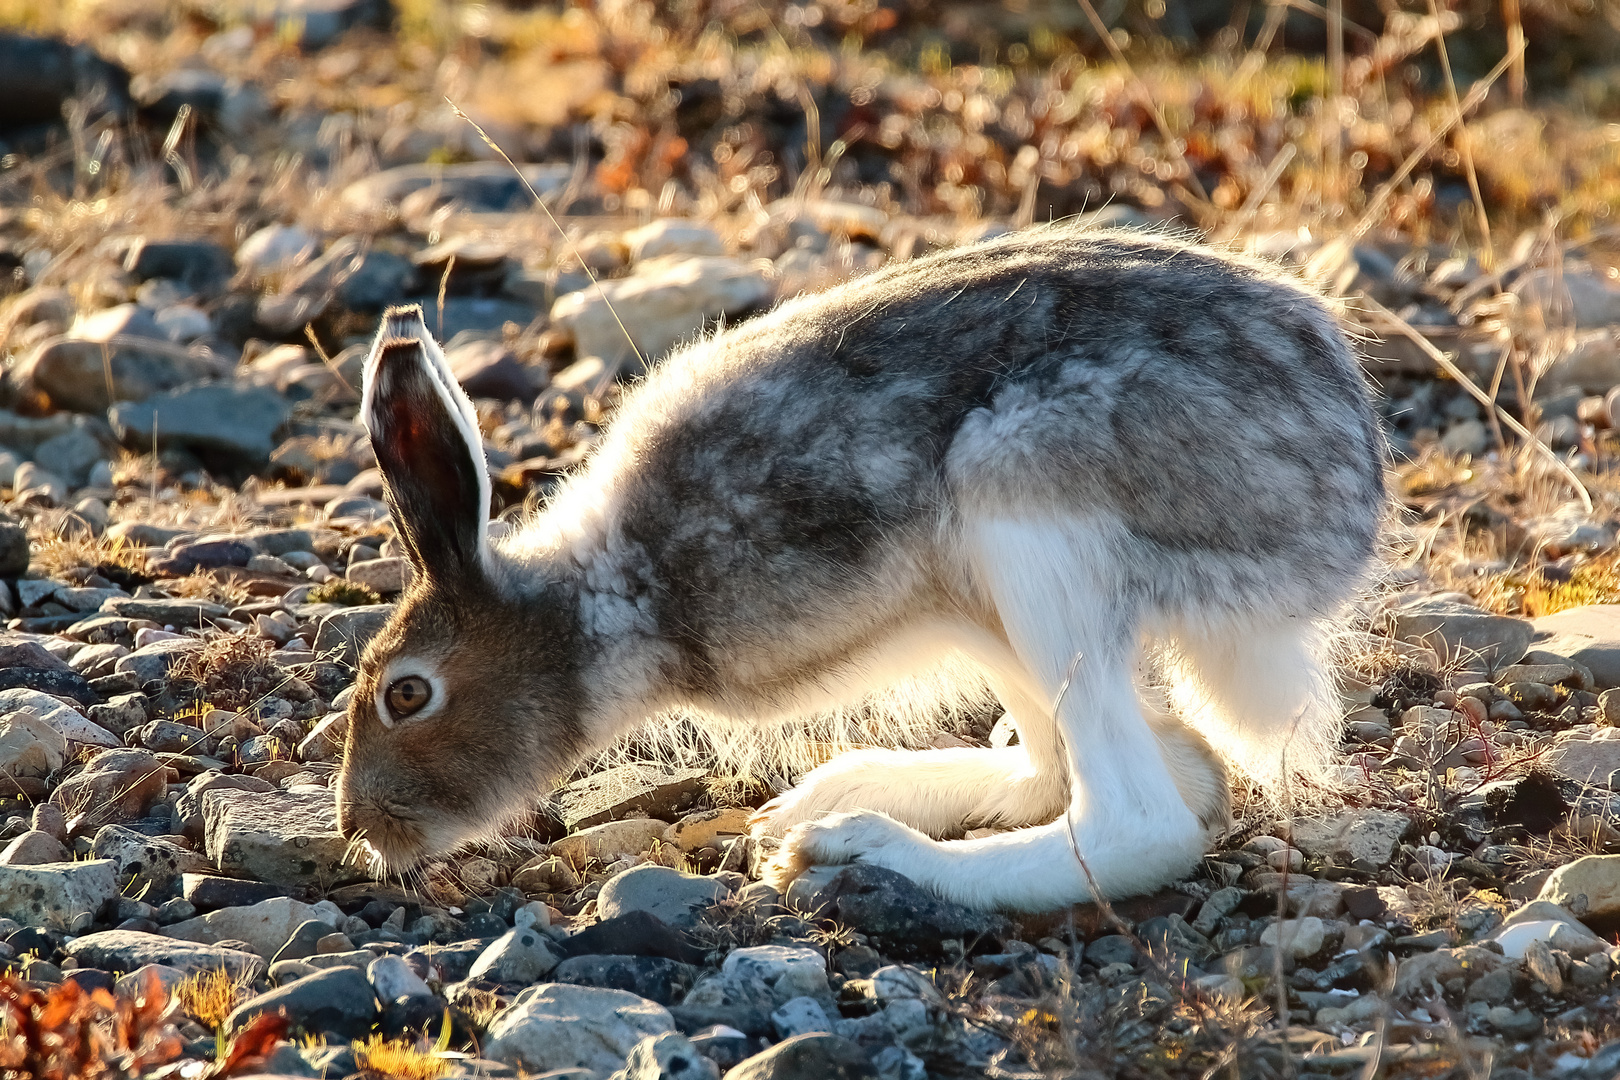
(520, 956)
(70, 455)
(33, 848)
(203, 555)
(275, 248)
(236, 420)
(303, 941)
(672, 896)
(900, 916)
(342, 635)
(39, 75)
(121, 713)
(799, 1016)
(664, 302)
(392, 978)
(29, 746)
(807, 1057)
(670, 1056)
(652, 977)
(337, 1000)
(128, 950)
(280, 837)
(1457, 632)
(1366, 834)
(53, 712)
(264, 926)
(481, 185)
(157, 865)
(655, 791)
(152, 663)
(55, 894)
(116, 786)
(14, 552)
(175, 611)
(553, 1026)
(1110, 949)
(489, 369)
(73, 371)
(198, 264)
(1588, 635)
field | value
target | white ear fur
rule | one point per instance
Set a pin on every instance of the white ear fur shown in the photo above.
(405, 325)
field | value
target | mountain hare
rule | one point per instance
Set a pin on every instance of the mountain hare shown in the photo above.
(1045, 452)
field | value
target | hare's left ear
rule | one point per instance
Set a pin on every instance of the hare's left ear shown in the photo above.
(425, 434)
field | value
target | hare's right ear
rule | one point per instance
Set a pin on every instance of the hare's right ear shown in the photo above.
(425, 434)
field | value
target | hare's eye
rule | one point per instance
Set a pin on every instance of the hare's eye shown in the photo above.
(408, 695)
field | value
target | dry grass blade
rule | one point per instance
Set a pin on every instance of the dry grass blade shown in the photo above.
(1380, 199)
(1147, 102)
(1491, 407)
(1465, 144)
(572, 247)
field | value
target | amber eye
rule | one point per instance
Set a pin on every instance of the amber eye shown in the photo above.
(407, 696)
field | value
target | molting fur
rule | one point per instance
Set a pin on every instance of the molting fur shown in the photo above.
(1022, 460)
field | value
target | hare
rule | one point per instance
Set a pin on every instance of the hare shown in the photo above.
(1047, 453)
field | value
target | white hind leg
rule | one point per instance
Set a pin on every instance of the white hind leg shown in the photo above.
(1257, 689)
(1054, 587)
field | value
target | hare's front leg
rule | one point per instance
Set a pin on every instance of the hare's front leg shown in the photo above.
(1127, 817)
(937, 792)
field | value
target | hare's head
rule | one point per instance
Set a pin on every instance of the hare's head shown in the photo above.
(466, 704)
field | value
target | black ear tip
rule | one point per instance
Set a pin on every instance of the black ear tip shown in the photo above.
(403, 323)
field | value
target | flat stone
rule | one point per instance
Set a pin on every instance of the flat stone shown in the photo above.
(208, 891)
(72, 369)
(239, 421)
(127, 950)
(1373, 835)
(708, 828)
(387, 576)
(179, 612)
(610, 841)
(1458, 632)
(665, 302)
(1588, 635)
(674, 897)
(344, 634)
(281, 837)
(1586, 759)
(478, 185)
(53, 894)
(68, 722)
(788, 971)
(903, 919)
(265, 926)
(29, 746)
(556, 1026)
(645, 790)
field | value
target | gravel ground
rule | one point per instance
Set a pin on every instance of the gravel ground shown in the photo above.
(194, 547)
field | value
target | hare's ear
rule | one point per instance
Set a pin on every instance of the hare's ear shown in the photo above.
(425, 435)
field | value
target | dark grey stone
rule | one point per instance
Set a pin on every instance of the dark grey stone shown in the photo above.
(338, 1000)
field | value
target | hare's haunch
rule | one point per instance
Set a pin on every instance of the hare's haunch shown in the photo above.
(1037, 452)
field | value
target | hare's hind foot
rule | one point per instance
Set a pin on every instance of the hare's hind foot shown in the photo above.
(936, 792)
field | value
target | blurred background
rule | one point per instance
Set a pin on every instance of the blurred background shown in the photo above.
(231, 190)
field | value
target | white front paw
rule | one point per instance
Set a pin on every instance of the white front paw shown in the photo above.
(857, 836)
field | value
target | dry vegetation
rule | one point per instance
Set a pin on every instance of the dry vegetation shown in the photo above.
(718, 110)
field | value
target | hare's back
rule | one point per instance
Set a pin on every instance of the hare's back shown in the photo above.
(1200, 402)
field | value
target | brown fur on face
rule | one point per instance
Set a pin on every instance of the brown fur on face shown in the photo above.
(506, 729)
